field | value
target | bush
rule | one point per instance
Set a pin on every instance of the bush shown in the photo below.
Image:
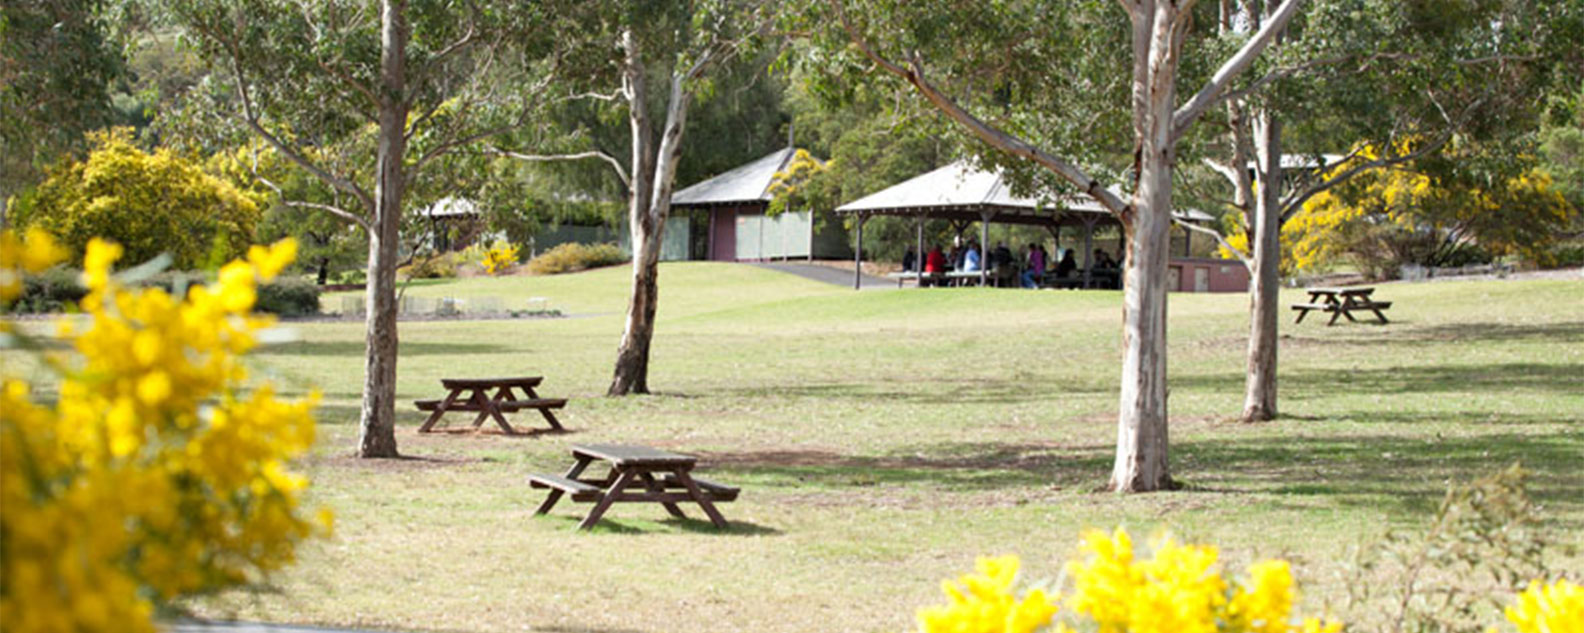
(56, 289)
(441, 266)
(149, 203)
(573, 257)
(288, 297)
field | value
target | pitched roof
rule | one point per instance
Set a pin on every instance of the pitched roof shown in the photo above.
(748, 183)
(960, 188)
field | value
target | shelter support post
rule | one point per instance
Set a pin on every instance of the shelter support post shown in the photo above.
(858, 255)
(984, 245)
(918, 257)
(1088, 251)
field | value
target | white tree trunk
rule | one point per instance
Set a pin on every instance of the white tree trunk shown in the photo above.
(1141, 463)
(1259, 403)
(653, 177)
(377, 424)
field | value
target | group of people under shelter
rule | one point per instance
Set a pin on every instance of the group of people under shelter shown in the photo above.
(1032, 270)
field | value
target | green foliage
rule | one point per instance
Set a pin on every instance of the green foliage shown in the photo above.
(57, 289)
(57, 60)
(150, 203)
(288, 297)
(437, 266)
(1486, 541)
(1456, 215)
(572, 257)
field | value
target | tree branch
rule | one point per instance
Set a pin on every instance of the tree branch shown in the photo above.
(302, 161)
(1218, 238)
(986, 132)
(1189, 112)
(279, 193)
(621, 172)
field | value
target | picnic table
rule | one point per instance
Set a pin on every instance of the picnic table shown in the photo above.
(1341, 302)
(472, 395)
(637, 474)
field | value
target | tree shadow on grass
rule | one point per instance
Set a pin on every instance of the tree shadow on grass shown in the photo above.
(1565, 332)
(1395, 473)
(618, 525)
(356, 349)
(1494, 377)
(998, 392)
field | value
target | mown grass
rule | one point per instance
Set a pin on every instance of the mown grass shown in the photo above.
(883, 439)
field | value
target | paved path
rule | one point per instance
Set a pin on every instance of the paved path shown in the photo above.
(828, 274)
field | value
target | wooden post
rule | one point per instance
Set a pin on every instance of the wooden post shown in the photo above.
(918, 258)
(858, 255)
(1088, 250)
(984, 245)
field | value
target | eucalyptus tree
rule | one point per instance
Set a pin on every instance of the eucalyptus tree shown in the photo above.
(1368, 85)
(654, 59)
(412, 80)
(1042, 84)
(57, 61)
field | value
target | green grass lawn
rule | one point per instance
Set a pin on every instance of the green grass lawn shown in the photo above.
(884, 439)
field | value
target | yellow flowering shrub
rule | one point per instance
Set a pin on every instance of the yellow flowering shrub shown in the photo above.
(1554, 608)
(151, 472)
(500, 258)
(1179, 589)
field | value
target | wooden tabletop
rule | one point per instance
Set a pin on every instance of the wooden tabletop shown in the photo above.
(628, 455)
(1364, 290)
(486, 383)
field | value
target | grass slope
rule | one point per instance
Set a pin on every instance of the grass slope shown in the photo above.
(883, 439)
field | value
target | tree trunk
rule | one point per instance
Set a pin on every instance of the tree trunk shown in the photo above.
(378, 421)
(1259, 403)
(1141, 463)
(632, 358)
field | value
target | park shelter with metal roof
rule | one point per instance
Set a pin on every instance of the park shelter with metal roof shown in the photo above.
(962, 194)
(738, 228)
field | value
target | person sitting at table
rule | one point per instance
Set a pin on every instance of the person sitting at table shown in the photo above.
(1067, 266)
(1001, 257)
(934, 263)
(1103, 259)
(971, 260)
(1034, 272)
(909, 260)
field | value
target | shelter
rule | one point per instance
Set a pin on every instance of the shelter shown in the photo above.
(962, 195)
(738, 228)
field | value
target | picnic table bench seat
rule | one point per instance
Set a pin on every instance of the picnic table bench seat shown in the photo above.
(580, 490)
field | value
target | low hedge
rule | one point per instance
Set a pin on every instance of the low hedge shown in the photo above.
(573, 257)
(59, 289)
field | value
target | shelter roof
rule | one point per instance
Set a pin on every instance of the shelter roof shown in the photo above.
(450, 208)
(748, 183)
(961, 192)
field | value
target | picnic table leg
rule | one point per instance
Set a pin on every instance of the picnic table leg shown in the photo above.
(555, 495)
(1378, 315)
(555, 425)
(1302, 312)
(606, 500)
(703, 501)
(440, 410)
(658, 488)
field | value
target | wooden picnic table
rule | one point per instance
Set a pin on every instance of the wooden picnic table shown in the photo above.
(637, 474)
(1341, 302)
(473, 395)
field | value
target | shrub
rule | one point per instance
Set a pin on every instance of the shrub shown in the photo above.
(156, 473)
(56, 289)
(573, 257)
(1178, 589)
(438, 266)
(500, 258)
(149, 203)
(289, 297)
